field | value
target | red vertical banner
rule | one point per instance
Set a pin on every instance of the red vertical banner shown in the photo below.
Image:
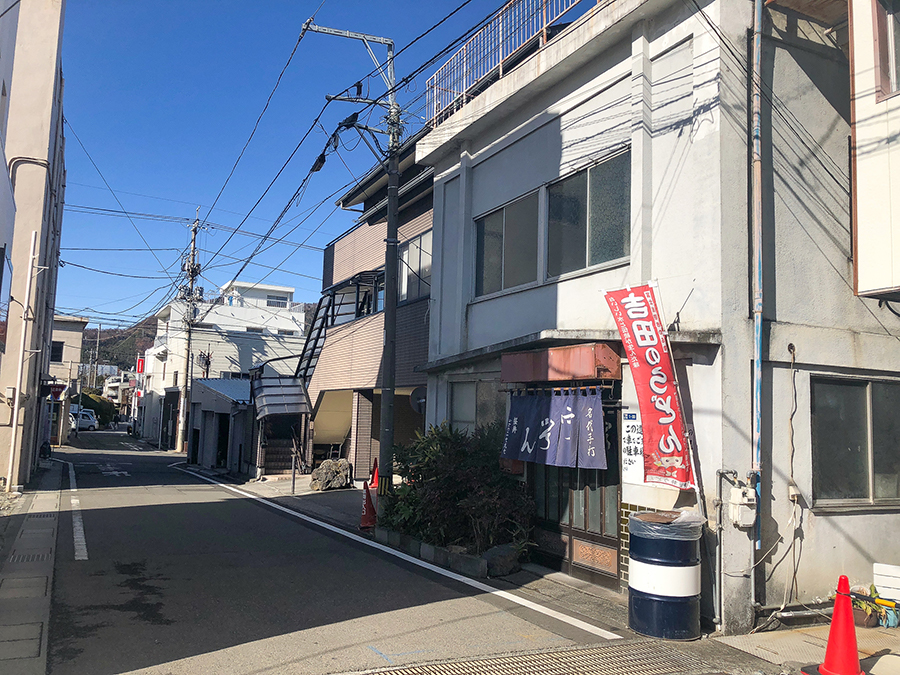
(667, 457)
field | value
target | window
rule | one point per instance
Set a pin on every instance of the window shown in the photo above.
(462, 406)
(415, 268)
(175, 379)
(254, 329)
(887, 13)
(56, 352)
(506, 246)
(855, 441)
(589, 217)
(276, 301)
(234, 375)
(282, 331)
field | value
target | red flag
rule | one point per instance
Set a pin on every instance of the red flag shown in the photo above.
(667, 457)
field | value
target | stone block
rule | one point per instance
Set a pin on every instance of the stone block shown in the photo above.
(470, 565)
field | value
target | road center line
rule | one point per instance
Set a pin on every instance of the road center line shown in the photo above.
(484, 588)
(77, 522)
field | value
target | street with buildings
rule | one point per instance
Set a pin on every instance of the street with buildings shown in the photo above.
(600, 299)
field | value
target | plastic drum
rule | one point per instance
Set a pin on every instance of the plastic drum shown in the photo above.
(664, 574)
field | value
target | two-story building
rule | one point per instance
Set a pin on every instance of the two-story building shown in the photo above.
(612, 146)
(64, 369)
(341, 363)
(242, 325)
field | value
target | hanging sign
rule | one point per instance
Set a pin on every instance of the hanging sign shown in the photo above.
(666, 453)
(556, 429)
(140, 365)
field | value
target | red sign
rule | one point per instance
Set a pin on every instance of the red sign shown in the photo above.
(667, 456)
(138, 393)
(56, 391)
(140, 365)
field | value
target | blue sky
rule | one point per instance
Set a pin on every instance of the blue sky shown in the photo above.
(163, 96)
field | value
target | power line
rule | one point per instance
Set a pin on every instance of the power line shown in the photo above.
(64, 263)
(112, 192)
(142, 250)
(263, 112)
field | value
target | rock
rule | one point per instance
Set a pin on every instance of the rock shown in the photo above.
(502, 560)
(331, 475)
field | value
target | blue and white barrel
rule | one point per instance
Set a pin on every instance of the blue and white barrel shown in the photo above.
(664, 574)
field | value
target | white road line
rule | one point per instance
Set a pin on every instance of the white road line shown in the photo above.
(77, 522)
(484, 588)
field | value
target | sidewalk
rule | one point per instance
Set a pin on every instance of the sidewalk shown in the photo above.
(781, 652)
(28, 550)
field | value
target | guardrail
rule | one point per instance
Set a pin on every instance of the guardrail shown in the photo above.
(512, 28)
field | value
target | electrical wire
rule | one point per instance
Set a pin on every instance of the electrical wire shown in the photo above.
(64, 263)
(112, 192)
(263, 112)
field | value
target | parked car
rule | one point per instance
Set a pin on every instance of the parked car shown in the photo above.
(86, 420)
(72, 425)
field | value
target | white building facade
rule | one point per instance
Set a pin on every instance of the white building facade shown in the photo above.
(240, 327)
(616, 154)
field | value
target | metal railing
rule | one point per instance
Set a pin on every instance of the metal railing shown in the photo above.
(512, 28)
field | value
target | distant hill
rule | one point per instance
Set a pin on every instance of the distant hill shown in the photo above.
(120, 346)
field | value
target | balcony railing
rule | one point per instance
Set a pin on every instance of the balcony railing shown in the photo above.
(518, 24)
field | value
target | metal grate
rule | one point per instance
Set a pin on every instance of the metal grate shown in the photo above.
(633, 658)
(42, 515)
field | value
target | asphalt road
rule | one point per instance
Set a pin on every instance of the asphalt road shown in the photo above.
(186, 577)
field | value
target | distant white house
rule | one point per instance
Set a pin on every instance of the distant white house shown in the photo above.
(242, 325)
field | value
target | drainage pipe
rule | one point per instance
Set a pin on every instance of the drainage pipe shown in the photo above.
(20, 369)
(720, 528)
(756, 206)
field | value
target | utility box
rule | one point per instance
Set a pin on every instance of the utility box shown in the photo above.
(743, 506)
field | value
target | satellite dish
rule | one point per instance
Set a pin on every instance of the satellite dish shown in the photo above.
(417, 399)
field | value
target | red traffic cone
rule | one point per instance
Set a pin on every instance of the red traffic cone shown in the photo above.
(841, 654)
(367, 522)
(374, 481)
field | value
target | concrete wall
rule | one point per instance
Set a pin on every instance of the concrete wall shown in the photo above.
(35, 154)
(658, 79)
(877, 171)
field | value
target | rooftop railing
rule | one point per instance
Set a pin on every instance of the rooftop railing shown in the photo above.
(518, 24)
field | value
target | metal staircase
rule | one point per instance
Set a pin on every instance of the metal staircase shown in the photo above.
(355, 298)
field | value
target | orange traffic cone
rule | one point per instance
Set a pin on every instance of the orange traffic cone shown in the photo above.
(367, 522)
(374, 481)
(841, 654)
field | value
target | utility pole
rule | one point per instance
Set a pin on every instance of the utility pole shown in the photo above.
(391, 254)
(193, 271)
(97, 357)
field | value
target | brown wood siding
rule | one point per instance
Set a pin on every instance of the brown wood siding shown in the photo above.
(360, 251)
(416, 225)
(351, 356)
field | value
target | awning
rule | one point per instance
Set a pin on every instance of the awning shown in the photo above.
(280, 396)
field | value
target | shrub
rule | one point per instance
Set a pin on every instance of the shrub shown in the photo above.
(453, 491)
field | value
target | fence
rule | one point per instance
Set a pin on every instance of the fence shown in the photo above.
(516, 25)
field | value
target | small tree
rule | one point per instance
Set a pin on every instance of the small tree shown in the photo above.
(453, 491)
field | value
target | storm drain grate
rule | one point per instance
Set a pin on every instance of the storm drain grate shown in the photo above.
(643, 658)
(41, 515)
(29, 557)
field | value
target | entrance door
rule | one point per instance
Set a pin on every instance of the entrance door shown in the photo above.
(578, 511)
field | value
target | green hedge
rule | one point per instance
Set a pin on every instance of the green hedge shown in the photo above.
(453, 491)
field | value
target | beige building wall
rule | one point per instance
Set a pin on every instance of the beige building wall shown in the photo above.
(70, 331)
(876, 173)
(35, 151)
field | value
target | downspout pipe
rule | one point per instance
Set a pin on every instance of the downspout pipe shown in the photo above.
(757, 223)
(27, 315)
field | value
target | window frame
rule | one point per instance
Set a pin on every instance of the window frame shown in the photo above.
(596, 267)
(540, 263)
(62, 348)
(543, 274)
(871, 502)
(277, 301)
(887, 60)
(404, 267)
